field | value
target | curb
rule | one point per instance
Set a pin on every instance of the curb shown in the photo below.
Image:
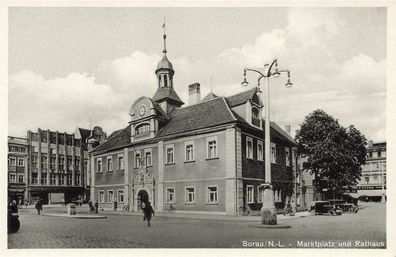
(270, 226)
(75, 216)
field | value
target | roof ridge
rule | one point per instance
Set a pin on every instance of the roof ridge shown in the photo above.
(242, 92)
(188, 106)
(228, 108)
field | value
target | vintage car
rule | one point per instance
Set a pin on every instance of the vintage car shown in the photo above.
(346, 207)
(324, 207)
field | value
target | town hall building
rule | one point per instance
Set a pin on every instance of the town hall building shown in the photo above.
(205, 157)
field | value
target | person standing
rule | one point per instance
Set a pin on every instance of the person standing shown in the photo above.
(148, 210)
(39, 206)
(96, 206)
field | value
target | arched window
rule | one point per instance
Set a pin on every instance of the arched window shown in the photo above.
(159, 81)
(142, 129)
(256, 116)
(165, 81)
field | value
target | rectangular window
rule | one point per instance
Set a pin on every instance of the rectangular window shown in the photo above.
(34, 161)
(61, 163)
(53, 179)
(375, 154)
(120, 162)
(260, 151)
(20, 178)
(273, 153)
(211, 192)
(11, 161)
(120, 196)
(190, 195)
(170, 154)
(249, 147)
(109, 164)
(170, 195)
(189, 151)
(61, 179)
(44, 162)
(52, 163)
(99, 166)
(148, 157)
(77, 163)
(44, 178)
(34, 178)
(138, 158)
(367, 179)
(78, 179)
(212, 147)
(69, 163)
(110, 196)
(101, 197)
(21, 162)
(69, 179)
(250, 194)
(287, 153)
(11, 178)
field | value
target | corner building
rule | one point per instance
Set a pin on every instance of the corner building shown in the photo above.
(206, 157)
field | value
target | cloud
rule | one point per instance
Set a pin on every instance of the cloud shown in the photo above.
(352, 90)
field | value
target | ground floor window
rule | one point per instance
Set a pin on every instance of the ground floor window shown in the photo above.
(101, 197)
(170, 195)
(120, 196)
(250, 194)
(211, 192)
(190, 195)
(260, 190)
(110, 196)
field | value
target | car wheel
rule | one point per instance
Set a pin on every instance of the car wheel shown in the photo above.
(350, 210)
(332, 213)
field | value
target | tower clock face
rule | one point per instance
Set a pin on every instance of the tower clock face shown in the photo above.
(142, 110)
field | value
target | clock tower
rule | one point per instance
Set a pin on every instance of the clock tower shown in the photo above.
(165, 95)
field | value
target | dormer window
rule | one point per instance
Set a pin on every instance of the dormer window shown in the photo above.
(142, 129)
(256, 116)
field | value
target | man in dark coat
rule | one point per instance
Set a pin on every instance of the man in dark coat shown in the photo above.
(148, 210)
(96, 206)
(39, 206)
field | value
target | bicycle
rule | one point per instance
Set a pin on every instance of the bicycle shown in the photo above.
(171, 209)
(126, 208)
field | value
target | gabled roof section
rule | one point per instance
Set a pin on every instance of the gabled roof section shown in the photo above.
(209, 96)
(166, 93)
(281, 131)
(117, 139)
(202, 115)
(242, 97)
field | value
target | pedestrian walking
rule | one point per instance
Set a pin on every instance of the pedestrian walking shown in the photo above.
(91, 207)
(148, 210)
(39, 206)
(96, 206)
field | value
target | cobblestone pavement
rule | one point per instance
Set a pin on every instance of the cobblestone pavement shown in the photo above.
(129, 231)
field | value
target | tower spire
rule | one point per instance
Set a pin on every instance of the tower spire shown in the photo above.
(164, 36)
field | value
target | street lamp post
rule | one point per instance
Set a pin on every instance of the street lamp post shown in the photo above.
(268, 213)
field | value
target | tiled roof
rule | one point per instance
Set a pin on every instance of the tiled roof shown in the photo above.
(117, 139)
(202, 115)
(241, 97)
(166, 93)
(209, 97)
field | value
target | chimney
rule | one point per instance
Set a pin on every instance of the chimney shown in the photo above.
(194, 93)
(287, 129)
(370, 143)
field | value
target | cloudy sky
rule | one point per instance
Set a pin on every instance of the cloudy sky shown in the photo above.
(72, 67)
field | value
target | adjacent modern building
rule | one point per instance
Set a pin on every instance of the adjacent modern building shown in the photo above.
(205, 157)
(17, 168)
(372, 185)
(49, 165)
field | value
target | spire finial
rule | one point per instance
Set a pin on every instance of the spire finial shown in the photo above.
(164, 36)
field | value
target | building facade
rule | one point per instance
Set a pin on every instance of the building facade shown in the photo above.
(206, 157)
(372, 184)
(17, 169)
(57, 166)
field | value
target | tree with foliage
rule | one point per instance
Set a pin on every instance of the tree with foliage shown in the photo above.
(334, 154)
